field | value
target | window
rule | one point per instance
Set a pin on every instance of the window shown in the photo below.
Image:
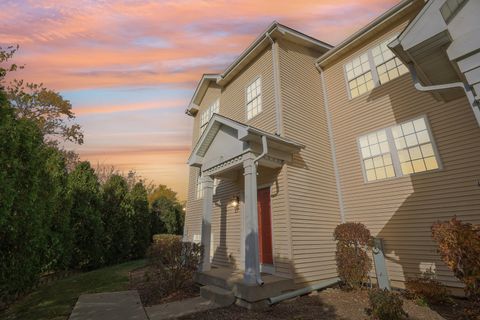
(208, 113)
(373, 68)
(414, 146)
(376, 156)
(254, 98)
(216, 182)
(400, 150)
(199, 187)
(450, 8)
(388, 65)
(359, 76)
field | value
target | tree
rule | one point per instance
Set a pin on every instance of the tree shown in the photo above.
(116, 219)
(86, 222)
(22, 220)
(47, 108)
(52, 113)
(5, 55)
(168, 216)
(57, 210)
(140, 220)
(164, 192)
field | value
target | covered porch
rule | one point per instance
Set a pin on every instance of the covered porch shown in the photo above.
(232, 151)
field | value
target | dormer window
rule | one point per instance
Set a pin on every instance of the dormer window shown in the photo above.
(207, 114)
(254, 98)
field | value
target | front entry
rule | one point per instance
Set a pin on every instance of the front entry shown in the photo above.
(264, 227)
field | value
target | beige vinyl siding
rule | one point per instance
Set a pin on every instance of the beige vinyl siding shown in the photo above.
(193, 212)
(226, 223)
(233, 94)
(312, 196)
(402, 210)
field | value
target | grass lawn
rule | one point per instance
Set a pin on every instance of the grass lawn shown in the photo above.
(56, 300)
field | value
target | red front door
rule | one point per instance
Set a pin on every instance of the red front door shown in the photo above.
(264, 226)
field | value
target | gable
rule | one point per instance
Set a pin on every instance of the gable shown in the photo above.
(224, 146)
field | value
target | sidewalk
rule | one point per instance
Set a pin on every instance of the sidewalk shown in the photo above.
(109, 306)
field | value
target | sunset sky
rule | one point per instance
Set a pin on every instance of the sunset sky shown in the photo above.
(130, 67)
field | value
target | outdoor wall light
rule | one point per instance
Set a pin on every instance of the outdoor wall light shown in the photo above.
(235, 202)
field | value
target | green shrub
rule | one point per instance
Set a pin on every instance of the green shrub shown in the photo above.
(459, 248)
(87, 228)
(140, 220)
(23, 221)
(353, 262)
(172, 263)
(116, 213)
(385, 305)
(426, 288)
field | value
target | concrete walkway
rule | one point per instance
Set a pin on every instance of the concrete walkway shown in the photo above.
(180, 308)
(109, 306)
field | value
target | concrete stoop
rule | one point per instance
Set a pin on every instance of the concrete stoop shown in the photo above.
(228, 287)
(217, 295)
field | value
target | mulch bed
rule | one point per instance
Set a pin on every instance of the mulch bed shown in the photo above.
(150, 296)
(329, 304)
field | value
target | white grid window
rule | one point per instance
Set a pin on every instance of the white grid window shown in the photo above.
(376, 156)
(397, 151)
(450, 8)
(208, 113)
(373, 68)
(388, 65)
(254, 98)
(199, 188)
(415, 149)
(216, 182)
(359, 75)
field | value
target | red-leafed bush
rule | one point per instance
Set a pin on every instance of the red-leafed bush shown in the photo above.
(459, 248)
(353, 262)
(426, 289)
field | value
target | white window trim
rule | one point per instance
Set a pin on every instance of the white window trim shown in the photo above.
(207, 111)
(373, 69)
(260, 95)
(199, 192)
(394, 152)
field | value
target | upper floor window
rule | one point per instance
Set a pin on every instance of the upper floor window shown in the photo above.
(199, 187)
(399, 150)
(208, 113)
(450, 8)
(254, 98)
(376, 66)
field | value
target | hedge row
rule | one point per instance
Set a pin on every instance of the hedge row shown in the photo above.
(52, 220)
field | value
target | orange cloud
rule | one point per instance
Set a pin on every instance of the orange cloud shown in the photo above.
(84, 110)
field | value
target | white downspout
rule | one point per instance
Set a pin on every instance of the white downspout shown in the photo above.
(332, 145)
(470, 96)
(255, 162)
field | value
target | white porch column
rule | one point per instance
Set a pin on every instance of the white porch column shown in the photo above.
(207, 185)
(252, 264)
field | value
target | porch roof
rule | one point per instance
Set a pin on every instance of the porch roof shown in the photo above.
(243, 133)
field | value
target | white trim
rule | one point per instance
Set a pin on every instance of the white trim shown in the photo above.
(277, 88)
(394, 151)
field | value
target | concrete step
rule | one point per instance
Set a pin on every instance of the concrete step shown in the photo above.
(217, 295)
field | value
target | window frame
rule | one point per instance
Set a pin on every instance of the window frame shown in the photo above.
(199, 187)
(259, 77)
(373, 67)
(394, 151)
(208, 110)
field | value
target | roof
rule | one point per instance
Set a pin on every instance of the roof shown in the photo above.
(358, 36)
(245, 133)
(274, 31)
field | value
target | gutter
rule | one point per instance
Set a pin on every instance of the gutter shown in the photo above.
(332, 144)
(468, 91)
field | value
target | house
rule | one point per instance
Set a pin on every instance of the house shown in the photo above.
(297, 136)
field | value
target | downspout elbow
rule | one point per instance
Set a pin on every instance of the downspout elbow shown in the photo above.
(264, 150)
